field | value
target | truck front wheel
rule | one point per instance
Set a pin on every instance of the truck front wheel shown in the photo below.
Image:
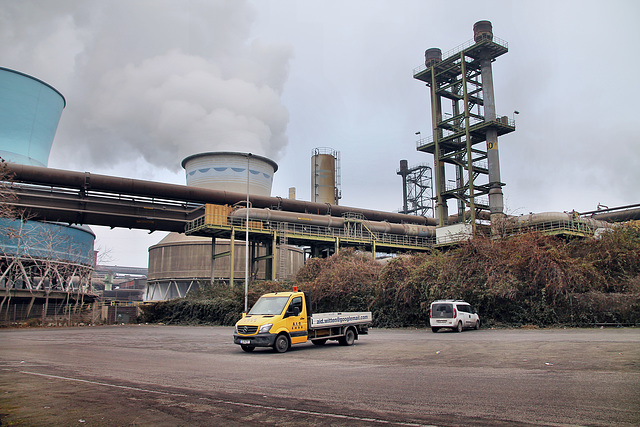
(348, 338)
(282, 344)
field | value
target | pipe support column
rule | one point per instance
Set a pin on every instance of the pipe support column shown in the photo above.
(496, 202)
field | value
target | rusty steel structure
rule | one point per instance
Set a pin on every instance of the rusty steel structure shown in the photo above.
(86, 198)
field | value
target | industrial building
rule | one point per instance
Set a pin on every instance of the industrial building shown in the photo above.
(180, 263)
(224, 224)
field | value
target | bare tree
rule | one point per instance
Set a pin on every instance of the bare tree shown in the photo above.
(39, 257)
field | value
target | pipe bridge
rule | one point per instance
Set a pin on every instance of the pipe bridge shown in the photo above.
(84, 198)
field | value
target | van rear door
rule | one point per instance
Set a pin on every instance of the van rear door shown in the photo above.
(465, 315)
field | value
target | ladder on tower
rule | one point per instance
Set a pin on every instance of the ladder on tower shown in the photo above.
(282, 262)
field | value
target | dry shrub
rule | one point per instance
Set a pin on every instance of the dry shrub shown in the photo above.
(530, 279)
(605, 308)
(405, 288)
(615, 259)
(343, 282)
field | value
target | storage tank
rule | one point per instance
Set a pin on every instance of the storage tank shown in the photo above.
(325, 176)
(432, 56)
(179, 264)
(482, 30)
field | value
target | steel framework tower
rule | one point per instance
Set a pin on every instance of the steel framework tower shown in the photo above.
(463, 116)
(417, 189)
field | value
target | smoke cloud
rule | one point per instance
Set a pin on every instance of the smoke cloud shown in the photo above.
(157, 80)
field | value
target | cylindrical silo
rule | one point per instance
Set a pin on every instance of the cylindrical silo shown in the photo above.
(179, 264)
(482, 30)
(432, 56)
(325, 174)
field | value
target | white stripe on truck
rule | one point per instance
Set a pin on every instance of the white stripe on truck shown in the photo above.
(325, 320)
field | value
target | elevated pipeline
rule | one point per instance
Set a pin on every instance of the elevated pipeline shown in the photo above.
(620, 214)
(86, 182)
(548, 217)
(335, 222)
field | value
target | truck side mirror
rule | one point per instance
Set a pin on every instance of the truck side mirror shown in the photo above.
(293, 311)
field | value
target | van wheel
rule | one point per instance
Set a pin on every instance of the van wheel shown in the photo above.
(459, 327)
(248, 348)
(319, 342)
(434, 330)
(282, 344)
(477, 325)
(348, 338)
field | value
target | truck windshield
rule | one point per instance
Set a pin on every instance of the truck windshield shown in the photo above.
(269, 305)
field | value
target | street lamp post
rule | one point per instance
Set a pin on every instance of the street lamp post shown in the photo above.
(246, 243)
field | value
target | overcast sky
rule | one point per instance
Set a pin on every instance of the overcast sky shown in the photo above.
(149, 82)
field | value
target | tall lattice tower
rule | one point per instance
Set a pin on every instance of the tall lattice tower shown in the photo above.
(463, 117)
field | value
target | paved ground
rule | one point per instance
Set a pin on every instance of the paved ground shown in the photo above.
(166, 375)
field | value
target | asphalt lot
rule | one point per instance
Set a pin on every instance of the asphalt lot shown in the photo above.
(171, 375)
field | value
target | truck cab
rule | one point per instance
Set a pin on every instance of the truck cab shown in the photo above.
(281, 319)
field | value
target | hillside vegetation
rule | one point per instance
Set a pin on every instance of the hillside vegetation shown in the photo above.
(530, 279)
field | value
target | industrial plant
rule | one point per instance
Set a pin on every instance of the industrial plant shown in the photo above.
(225, 226)
(45, 266)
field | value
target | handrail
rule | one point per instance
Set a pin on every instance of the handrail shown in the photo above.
(295, 230)
(456, 50)
(311, 231)
(504, 120)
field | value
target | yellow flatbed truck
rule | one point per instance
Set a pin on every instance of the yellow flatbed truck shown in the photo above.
(281, 319)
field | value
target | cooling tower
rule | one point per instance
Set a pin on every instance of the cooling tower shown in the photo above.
(30, 110)
(56, 243)
(227, 171)
(37, 257)
(179, 263)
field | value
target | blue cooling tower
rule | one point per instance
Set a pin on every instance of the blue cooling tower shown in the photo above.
(34, 240)
(30, 110)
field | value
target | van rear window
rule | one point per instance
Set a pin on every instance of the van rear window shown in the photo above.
(442, 311)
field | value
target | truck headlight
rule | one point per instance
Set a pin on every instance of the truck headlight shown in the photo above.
(265, 328)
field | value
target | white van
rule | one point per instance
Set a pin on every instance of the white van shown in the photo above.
(455, 314)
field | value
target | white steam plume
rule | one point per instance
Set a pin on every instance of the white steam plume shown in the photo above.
(155, 79)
